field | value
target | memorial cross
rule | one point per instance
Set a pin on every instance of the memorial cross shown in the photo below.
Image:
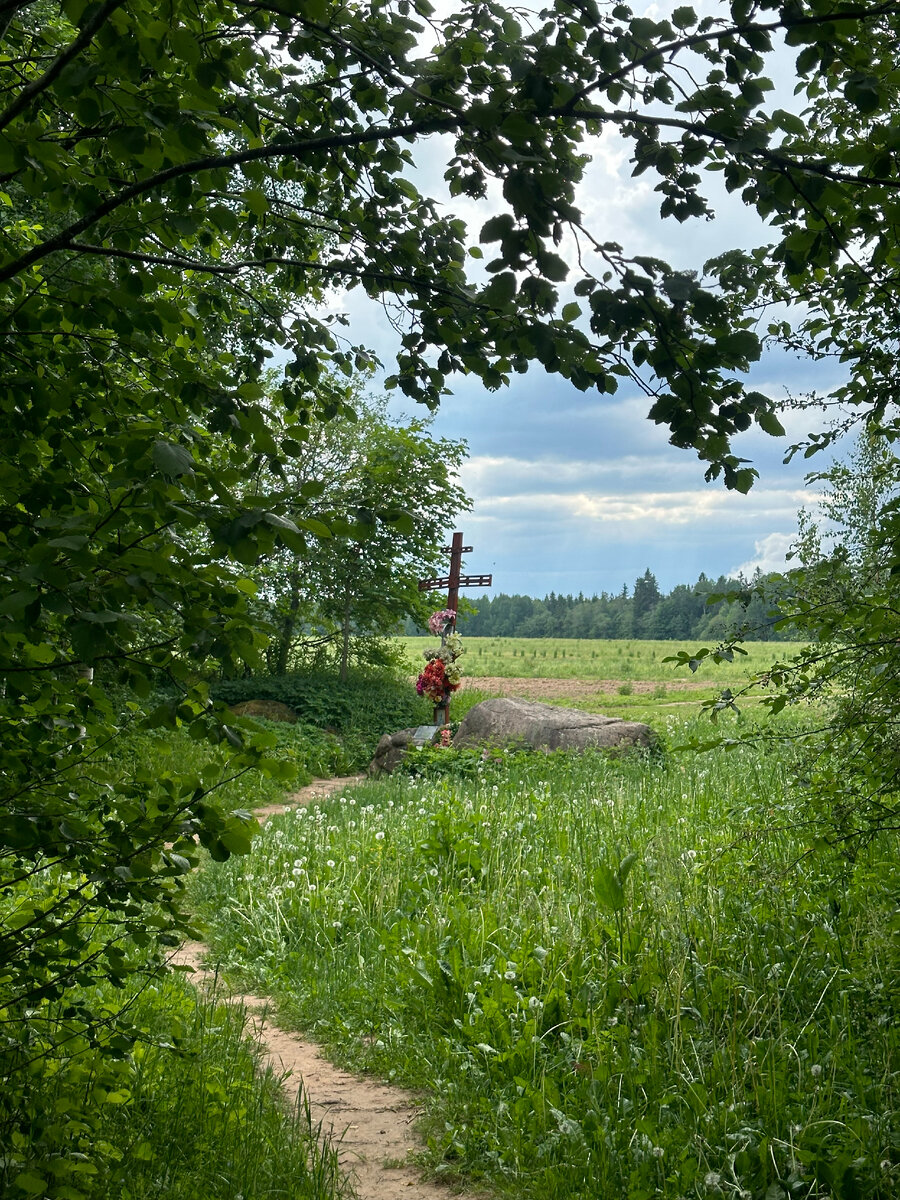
(453, 582)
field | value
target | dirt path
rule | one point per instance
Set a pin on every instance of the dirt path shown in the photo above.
(370, 1123)
(317, 790)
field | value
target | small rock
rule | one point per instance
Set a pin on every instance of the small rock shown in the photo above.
(390, 751)
(270, 710)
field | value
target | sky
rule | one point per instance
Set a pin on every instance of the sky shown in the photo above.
(576, 492)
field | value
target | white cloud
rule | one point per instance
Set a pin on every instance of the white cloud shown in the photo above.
(771, 555)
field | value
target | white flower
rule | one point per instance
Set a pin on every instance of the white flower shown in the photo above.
(330, 864)
(379, 836)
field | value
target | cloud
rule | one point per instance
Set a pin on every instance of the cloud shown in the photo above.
(770, 555)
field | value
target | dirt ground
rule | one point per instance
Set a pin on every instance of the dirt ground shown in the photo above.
(371, 1124)
(574, 689)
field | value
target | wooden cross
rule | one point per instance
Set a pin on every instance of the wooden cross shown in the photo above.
(453, 582)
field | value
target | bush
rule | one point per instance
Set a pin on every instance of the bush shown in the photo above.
(364, 706)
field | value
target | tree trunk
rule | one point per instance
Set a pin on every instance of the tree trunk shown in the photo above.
(289, 623)
(345, 640)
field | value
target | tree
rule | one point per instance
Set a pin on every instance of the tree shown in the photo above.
(644, 600)
(842, 602)
(224, 144)
(388, 494)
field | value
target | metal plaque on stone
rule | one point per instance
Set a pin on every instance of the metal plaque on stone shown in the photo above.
(425, 734)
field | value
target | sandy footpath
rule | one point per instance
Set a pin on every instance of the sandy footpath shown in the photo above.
(371, 1124)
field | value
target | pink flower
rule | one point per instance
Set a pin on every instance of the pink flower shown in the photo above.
(438, 621)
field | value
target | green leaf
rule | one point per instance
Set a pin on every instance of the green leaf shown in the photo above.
(30, 1182)
(769, 423)
(497, 228)
(608, 889)
(172, 459)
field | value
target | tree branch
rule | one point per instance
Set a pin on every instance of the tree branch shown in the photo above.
(215, 162)
(34, 89)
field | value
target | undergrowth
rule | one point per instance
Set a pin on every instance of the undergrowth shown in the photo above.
(169, 1102)
(365, 707)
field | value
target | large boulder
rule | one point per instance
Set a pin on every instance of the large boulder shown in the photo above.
(547, 727)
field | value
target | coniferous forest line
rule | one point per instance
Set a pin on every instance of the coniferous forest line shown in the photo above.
(708, 609)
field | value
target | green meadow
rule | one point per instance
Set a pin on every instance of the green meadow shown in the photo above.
(621, 678)
(576, 658)
(645, 977)
(624, 978)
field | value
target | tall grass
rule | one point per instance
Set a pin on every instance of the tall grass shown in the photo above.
(615, 978)
(178, 1107)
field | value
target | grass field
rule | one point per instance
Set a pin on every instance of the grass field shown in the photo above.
(619, 678)
(611, 978)
(571, 658)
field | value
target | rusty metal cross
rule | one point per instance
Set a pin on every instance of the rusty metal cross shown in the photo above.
(454, 581)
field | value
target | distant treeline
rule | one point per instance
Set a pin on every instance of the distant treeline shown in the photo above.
(685, 614)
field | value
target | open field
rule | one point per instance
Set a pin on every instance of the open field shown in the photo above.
(619, 678)
(618, 661)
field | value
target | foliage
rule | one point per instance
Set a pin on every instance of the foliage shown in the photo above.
(688, 611)
(191, 1111)
(388, 492)
(249, 155)
(183, 188)
(363, 707)
(304, 751)
(843, 599)
(614, 978)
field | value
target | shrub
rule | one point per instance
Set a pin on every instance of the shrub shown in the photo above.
(365, 707)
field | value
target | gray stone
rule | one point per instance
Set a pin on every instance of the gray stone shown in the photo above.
(548, 727)
(390, 751)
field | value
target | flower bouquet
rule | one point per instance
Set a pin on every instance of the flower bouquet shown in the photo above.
(442, 674)
(440, 622)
